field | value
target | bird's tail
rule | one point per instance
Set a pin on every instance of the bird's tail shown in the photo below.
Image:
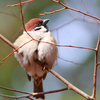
(38, 88)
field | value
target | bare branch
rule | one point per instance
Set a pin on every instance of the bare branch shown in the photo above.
(7, 41)
(70, 86)
(15, 97)
(19, 3)
(13, 90)
(14, 51)
(53, 11)
(66, 7)
(29, 94)
(10, 44)
(34, 93)
(96, 66)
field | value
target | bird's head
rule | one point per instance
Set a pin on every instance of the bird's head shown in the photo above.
(37, 24)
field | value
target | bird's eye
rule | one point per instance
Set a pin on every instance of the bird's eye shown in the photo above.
(39, 24)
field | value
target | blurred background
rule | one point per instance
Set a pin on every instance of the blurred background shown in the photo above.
(69, 28)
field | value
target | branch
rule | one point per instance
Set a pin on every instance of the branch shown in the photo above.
(76, 10)
(53, 11)
(15, 49)
(15, 97)
(5, 88)
(19, 3)
(7, 41)
(30, 94)
(10, 44)
(66, 7)
(70, 86)
(96, 66)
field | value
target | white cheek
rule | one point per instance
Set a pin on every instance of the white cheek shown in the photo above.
(43, 29)
(30, 32)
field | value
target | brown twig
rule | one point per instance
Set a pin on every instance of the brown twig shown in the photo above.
(32, 94)
(14, 51)
(5, 88)
(66, 7)
(23, 20)
(77, 10)
(96, 66)
(53, 11)
(33, 38)
(55, 91)
(15, 97)
(70, 86)
(10, 44)
(7, 41)
(19, 3)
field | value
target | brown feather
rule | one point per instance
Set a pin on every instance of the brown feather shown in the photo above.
(38, 88)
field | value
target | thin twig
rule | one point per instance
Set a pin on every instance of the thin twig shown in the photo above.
(29, 94)
(76, 10)
(22, 14)
(48, 92)
(85, 6)
(96, 66)
(66, 7)
(10, 44)
(15, 97)
(23, 20)
(19, 3)
(55, 91)
(53, 11)
(7, 41)
(14, 51)
(70, 86)
(5, 88)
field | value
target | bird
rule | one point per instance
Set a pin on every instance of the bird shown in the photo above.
(36, 51)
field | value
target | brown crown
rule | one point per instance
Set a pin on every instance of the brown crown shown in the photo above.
(32, 23)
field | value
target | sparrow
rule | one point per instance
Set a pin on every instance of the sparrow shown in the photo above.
(36, 51)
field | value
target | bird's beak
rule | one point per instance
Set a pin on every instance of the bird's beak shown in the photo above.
(45, 21)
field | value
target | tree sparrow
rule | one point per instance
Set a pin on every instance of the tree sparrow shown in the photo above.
(34, 51)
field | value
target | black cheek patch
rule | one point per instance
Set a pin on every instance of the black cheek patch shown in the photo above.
(37, 28)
